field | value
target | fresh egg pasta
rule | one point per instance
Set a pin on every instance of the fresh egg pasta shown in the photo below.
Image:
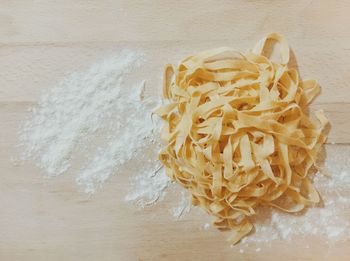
(237, 134)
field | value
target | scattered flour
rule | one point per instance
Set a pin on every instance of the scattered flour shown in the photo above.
(134, 132)
(183, 207)
(206, 226)
(148, 187)
(98, 106)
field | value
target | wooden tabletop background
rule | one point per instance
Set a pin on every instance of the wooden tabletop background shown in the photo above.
(41, 40)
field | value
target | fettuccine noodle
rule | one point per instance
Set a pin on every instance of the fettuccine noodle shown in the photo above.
(237, 135)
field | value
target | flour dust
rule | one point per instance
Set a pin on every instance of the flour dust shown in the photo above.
(102, 103)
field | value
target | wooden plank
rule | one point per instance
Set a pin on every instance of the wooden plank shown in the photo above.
(53, 21)
(40, 41)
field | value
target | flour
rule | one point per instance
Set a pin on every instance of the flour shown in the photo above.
(148, 187)
(102, 105)
(206, 226)
(134, 132)
(183, 207)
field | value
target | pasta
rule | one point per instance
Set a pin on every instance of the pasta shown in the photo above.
(237, 134)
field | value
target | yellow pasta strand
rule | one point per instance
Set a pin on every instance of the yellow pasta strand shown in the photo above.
(237, 135)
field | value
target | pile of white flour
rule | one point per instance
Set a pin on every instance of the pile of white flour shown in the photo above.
(100, 113)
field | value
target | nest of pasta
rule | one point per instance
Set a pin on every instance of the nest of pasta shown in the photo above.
(237, 134)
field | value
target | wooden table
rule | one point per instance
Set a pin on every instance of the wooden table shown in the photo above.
(48, 219)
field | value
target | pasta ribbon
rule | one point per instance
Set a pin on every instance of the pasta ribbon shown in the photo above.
(237, 134)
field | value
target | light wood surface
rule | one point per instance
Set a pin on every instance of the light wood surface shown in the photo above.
(49, 219)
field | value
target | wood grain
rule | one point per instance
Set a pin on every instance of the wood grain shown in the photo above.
(40, 41)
